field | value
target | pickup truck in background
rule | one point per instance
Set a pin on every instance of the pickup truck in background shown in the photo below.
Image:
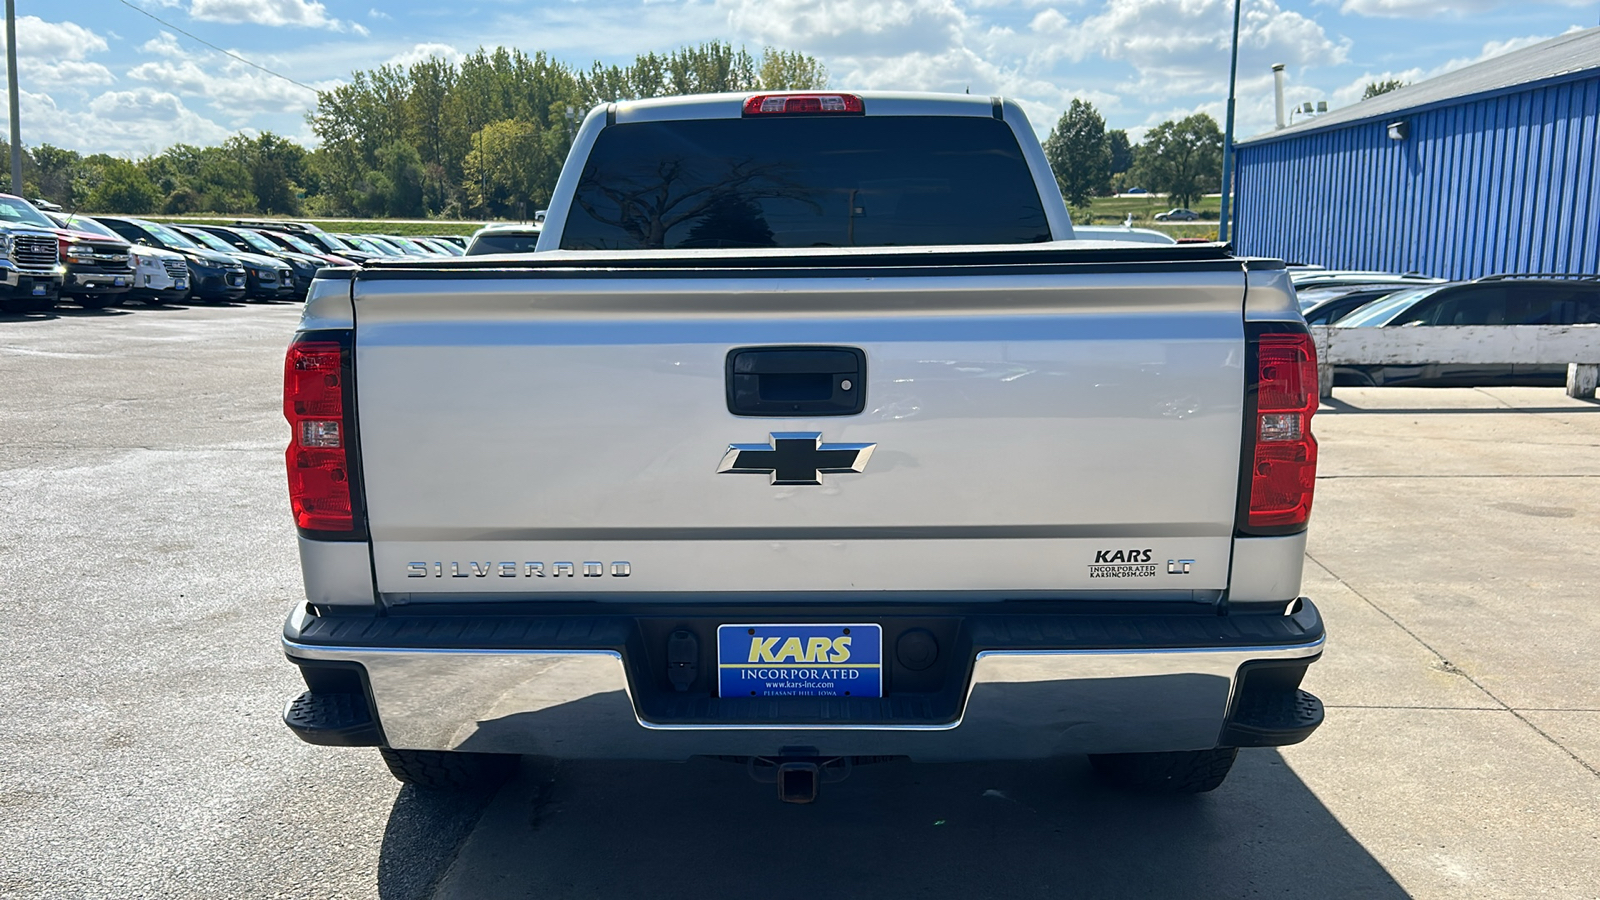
(30, 268)
(808, 437)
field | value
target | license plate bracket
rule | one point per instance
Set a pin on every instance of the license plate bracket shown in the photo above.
(800, 660)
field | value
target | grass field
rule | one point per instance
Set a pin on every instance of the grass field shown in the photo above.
(1101, 211)
(1115, 210)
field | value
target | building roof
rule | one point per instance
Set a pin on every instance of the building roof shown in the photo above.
(1568, 56)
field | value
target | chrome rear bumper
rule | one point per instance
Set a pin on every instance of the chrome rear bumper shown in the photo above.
(1019, 704)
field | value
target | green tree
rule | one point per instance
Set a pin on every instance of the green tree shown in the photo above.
(224, 182)
(1182, 159)
(56, 175)
(445, 111)
(791, 70)
(1121, 151)
(120, 187)
(275, 166)
(205, 179)
(1375, 88)
(403, 175)
(1080, 154)
(510, 171)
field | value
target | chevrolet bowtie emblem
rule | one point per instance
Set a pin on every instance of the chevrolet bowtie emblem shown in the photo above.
(795, 457)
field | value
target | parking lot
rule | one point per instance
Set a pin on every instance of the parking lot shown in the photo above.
(149, 560)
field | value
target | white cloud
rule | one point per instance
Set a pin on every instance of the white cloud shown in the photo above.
(129, 123)
(1042, 54)
(1352, 91)
(67, 73)
(242, 90)
(1181, 46)
(1426, 9)
(376, 13)
(164, 44)
(1501, 48)
(182, 76)
(55, 55)
(421, 52)
(38, 39)
(878, 28)
(276, 13)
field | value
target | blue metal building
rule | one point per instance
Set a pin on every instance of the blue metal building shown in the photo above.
(1490, 168)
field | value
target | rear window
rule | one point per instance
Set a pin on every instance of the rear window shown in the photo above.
(299, 244)
(860, 181)
(1380, 312)
(509, 242)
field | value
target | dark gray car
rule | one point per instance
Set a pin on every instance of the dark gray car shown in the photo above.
(1496, 300)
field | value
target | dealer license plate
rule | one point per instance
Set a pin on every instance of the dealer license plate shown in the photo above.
(119, 282)
(181, 285)
(39, 290)
(800, 660)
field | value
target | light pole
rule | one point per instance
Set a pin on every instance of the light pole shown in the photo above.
(1227, 133)
(11, 82)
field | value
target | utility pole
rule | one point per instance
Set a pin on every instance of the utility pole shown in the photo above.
(1227, 133)
(11, 82)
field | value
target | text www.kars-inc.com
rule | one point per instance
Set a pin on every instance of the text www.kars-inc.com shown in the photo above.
(802, 682)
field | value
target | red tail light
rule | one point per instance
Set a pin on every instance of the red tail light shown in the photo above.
(1284, 465)
(313, 402)
(803, 104)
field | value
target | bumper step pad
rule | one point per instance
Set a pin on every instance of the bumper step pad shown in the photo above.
(1273, 719)
(332, 719)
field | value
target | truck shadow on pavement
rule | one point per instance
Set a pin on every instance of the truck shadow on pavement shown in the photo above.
(703, 829)
(61, 312)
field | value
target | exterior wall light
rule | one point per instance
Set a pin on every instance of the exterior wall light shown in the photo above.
(1399, 131)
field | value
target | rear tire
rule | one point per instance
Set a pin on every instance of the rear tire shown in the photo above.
(448, 771)
(1175, 772)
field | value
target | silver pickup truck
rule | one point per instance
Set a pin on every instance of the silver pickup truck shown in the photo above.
(808, 437)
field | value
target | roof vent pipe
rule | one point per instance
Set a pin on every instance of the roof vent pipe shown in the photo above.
(1277, 93)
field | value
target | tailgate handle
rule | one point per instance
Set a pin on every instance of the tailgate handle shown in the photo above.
(797, 381)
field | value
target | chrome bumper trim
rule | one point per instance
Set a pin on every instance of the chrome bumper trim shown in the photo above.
(1019, 705)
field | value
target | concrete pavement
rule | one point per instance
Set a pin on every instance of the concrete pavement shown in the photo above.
(148, 561)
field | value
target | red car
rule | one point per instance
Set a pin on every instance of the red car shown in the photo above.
(99, 269)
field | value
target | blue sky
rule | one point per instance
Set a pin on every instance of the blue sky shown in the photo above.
(97, 75)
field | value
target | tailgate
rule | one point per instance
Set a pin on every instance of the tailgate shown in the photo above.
(1032, 432)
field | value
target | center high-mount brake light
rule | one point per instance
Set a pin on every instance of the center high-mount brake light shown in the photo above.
(319, 469)
(1283, 470)
(802, 104)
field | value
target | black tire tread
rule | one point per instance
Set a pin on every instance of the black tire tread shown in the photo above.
(1176, 772)
(449, 771)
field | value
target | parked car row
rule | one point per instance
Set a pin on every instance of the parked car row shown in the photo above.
(506, 237)
(52, 256)
(1347, 299)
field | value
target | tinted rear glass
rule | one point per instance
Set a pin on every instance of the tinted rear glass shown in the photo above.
(514, 242)
(805, 182)
(299, 244)
(1379, 312)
